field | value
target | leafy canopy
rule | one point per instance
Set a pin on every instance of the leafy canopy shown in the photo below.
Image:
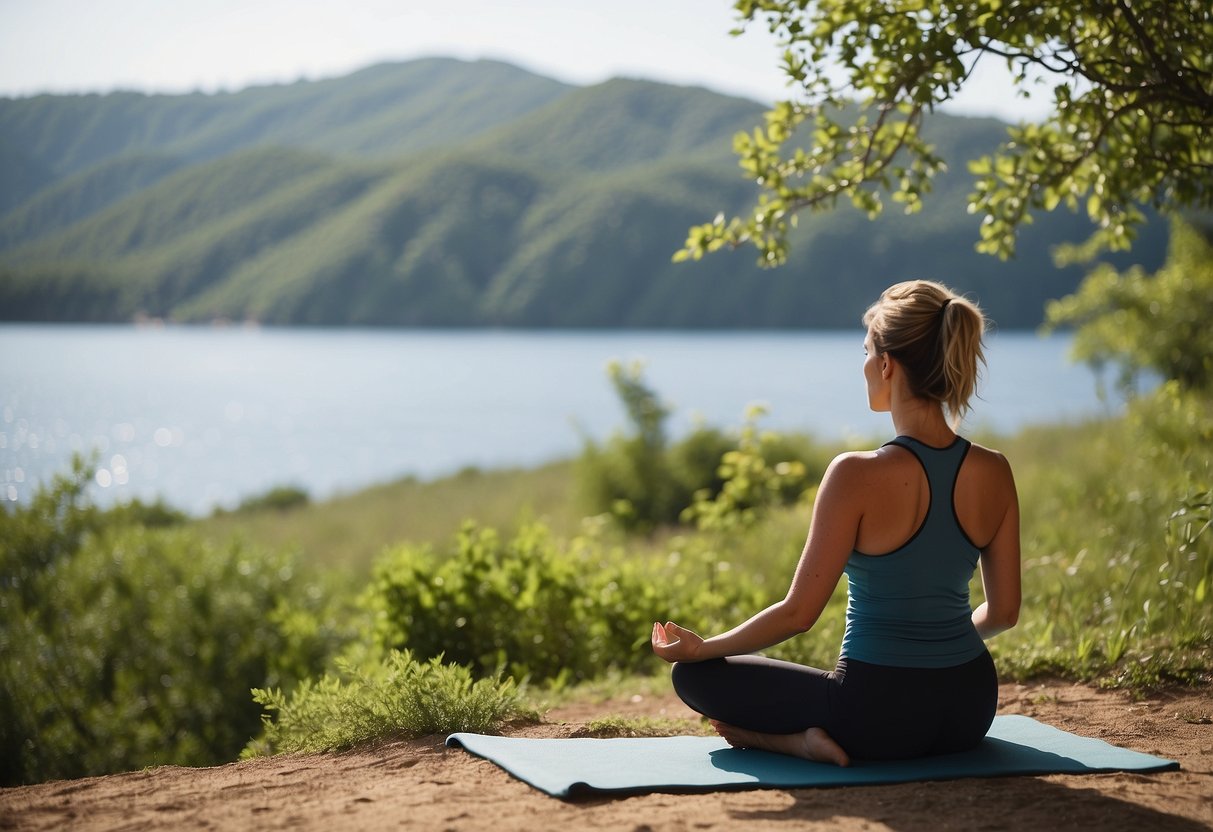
(1154, 323)
(1131, 124)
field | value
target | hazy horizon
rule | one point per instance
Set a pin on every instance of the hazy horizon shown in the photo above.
(228, 45)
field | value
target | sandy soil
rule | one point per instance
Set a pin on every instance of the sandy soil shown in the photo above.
(423, 785)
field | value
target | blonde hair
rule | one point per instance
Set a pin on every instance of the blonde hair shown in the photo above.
(936, 336)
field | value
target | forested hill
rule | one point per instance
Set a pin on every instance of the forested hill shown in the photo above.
(446, 193)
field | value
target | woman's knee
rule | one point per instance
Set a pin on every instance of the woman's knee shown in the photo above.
(693, 681)
(684, 676)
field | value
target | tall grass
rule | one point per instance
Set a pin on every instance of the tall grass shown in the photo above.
(132, 636)
(1117, 562)
(399, 697)
(348, 532)
(1118, 556)
(1117, 573)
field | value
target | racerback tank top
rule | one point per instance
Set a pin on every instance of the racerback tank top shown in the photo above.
(910, 608)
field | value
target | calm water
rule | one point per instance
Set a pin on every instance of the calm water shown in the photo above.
(206, 417)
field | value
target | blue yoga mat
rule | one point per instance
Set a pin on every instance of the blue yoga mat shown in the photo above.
(567, 768)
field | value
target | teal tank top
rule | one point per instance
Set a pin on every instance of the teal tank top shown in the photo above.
(910, 608)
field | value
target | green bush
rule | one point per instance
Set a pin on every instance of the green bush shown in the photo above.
(1118, 551)
(154, 515)
(643, 481)
(750, 484)
(519, 605)
(629, 477)
(59, 517)
(694, 462)
(124, 646)
(535, 609)
(278, 498)
(1157, 323)
(398, 698)
(47, 531)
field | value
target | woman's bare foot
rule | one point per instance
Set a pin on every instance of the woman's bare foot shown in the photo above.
(812, 744)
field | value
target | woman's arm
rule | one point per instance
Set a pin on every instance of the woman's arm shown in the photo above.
(836, 515)
(1000, 570)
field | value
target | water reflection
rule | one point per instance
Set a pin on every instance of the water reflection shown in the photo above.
(206, 418)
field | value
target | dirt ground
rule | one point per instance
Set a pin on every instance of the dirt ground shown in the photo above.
(422, 784)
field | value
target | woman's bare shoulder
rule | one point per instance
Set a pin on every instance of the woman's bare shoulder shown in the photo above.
(988, 456)
(989, 464)
(862, 467)
(858, 460)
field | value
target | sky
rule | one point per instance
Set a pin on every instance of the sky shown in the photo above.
(73, 46)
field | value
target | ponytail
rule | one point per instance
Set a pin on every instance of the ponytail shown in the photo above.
(936, 336)
(961, 333)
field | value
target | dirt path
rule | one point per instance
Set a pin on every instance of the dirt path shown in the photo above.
(423, 785)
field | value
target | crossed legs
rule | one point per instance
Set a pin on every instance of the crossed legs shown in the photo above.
(756, 702)
(811, 743)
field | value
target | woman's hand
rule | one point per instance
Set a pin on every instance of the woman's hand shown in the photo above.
(674, 643)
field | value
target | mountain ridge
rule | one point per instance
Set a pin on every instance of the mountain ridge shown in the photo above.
(449, 193)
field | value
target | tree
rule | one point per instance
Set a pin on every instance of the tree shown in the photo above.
(1156, 323)
(1131, 125)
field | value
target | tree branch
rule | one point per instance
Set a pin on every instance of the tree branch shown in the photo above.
(1027, 58)
(867, 154)
(1147, 45)
(1170, 77)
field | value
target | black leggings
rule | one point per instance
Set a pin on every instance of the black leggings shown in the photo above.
(873, 711)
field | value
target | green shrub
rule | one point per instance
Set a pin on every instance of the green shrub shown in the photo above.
(629, 477)
(124, 646)
(1118, 553)
(398, 698)
(519, 605)
(750, 484)
(536, 609)
(694, 462)
(154, 515)
(278, 498)
(643, 481)
(59, 517)
(47, 531)
(1157, 323)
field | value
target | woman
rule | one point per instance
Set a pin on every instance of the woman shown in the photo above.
(908, 524)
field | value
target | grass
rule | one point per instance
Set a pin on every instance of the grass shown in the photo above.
(1117, 566)
(613, 684)
(400, 698)
(349, 532)
(614, 726)
(1116, 576)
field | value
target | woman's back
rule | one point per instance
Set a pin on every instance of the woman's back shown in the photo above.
(897, 497)
(909, 606)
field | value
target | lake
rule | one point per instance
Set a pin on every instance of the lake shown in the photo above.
(204, 417)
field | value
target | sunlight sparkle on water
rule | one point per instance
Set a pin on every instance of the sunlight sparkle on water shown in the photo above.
(203, 418)
(119, 469)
